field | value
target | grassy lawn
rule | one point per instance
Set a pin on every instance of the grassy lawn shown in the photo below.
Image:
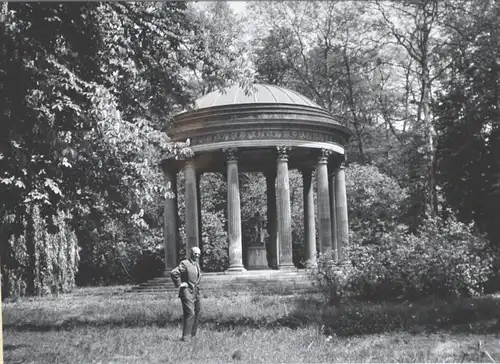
(106, 326)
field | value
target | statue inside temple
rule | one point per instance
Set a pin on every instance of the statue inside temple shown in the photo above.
(258, 232)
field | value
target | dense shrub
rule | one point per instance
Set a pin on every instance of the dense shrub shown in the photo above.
(445, 258)
(113, 252)
(335, 279)
(376, 202)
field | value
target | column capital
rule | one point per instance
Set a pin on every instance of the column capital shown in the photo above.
(231, 154)
(324, 155)
(283, 152)
(190, 163)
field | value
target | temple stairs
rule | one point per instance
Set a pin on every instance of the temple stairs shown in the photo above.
(259, 281)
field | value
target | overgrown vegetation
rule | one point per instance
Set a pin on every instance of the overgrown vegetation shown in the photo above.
(384, 260)
(110, 326)
(88, 89)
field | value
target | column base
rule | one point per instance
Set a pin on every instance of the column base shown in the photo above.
(235, 270)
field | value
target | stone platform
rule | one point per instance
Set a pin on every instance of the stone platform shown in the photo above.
(259, 281)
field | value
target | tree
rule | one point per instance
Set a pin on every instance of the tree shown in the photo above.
(468, 116)
(415, 27)
(86, 92)
(220, 34)
(325, 53)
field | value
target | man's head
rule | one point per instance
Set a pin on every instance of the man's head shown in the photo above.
(195, 253)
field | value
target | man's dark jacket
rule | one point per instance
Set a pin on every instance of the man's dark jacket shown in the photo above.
(188, 272)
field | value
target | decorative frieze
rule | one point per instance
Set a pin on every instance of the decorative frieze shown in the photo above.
(225, 136)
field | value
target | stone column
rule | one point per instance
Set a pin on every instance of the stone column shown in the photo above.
(200, 225)
(342, 221)
(333, 213)
(271, 219)
(191, 200)
(324, 218)
(284, 213)
(234, 213)
(170, 219)
(309, 221)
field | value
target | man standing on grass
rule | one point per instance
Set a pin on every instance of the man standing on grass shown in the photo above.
(186, 277)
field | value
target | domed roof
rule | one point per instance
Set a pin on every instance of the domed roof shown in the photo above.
(259, 94)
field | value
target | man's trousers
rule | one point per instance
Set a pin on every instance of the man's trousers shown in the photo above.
(191, 311)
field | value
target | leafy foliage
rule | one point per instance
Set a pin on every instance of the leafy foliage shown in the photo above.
(445, 258)
(86, 92)
(88, 89)
(376, 203)
(42, 260)
(468, 119)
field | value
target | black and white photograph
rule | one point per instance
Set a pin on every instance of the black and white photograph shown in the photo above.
(250, 181)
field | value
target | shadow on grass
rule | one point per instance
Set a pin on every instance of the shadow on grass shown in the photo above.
(76, 323)
(480, 316)
(9, 347)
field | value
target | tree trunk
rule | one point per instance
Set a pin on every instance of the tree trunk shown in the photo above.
(429, 132)
(31, 276)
